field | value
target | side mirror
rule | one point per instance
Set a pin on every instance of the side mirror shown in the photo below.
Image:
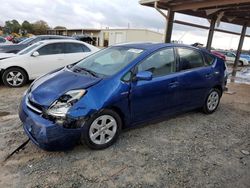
(144, 75)
(35, 54)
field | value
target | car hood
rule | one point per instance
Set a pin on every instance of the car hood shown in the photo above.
(6, 55)
(45, 90)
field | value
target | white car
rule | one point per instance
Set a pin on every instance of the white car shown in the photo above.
(230, 58)
(41, 58)
(3, 41)
(7, 55)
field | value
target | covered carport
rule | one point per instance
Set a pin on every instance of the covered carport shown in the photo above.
(229, 11)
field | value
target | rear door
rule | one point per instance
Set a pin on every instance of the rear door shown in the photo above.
(159, 95)
(196, 77)
(75, 52)
(51, 57)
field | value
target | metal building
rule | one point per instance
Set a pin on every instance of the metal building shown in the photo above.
(107, 37)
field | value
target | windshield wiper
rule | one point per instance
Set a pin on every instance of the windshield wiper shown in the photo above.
(88, 71)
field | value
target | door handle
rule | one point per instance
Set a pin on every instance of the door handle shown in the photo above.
(209, 75)
(216, 72)
(173, 84)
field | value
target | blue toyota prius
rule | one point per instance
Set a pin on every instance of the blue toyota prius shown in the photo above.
(119, 87)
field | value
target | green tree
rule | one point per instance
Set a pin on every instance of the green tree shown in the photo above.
(27, 27)
(12, 26)
(40, 27)
(60, 27)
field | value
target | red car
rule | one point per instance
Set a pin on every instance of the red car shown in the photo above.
(9, 38)
(218, 54)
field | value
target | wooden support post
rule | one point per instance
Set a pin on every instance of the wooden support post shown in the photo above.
(169, 22)
(211, 33)
(243, 33)
(169, 26)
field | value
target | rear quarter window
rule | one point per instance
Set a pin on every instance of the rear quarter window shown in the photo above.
(209, 59)
(189, 58)
(75, 48)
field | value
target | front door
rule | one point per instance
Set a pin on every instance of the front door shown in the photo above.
(159, 95)
(51, 57)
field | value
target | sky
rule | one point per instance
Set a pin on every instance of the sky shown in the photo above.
(113, 14)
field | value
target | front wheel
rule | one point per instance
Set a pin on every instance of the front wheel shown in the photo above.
(14, 77)
(102, 130)
(212, 101)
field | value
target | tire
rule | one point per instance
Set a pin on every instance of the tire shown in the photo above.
(241, 63)
(14, 77)
(97, 137)
(212, 101)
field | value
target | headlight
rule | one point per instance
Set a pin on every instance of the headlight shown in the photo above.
(61, 106)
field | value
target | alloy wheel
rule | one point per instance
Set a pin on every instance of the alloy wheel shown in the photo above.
(14, 78)
(213, 100)
(103, 129)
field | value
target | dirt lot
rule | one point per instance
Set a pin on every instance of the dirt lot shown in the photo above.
(189, 150)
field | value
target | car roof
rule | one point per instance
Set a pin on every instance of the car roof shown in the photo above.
(60, 41)
(154, 46)
(55, 36)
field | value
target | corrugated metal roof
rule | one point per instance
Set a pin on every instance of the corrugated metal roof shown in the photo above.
(231, 11)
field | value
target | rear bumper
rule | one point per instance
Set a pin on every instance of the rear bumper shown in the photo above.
(45, 133)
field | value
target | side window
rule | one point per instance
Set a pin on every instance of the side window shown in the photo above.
(75, 48)
(222, 52)
(34, 41)
(189, 59)
(230, 54)
(160, 63)
(2, 40)
(85, 48)
(51, 49)
(127, 76)
(209, 59)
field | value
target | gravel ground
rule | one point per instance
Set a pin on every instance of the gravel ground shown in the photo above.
(188, 150)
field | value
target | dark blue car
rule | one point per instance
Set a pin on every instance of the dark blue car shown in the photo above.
(116, 88)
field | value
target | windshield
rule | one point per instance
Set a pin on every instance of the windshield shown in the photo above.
(29, 48)
(26, 41)
(108, 61)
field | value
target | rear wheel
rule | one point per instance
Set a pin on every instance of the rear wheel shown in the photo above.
(102, 129)
(212, 101)
(14, 77)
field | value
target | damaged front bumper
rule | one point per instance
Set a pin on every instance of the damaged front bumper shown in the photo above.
(46, 133)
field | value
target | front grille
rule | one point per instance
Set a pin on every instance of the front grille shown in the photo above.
(34, 106)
